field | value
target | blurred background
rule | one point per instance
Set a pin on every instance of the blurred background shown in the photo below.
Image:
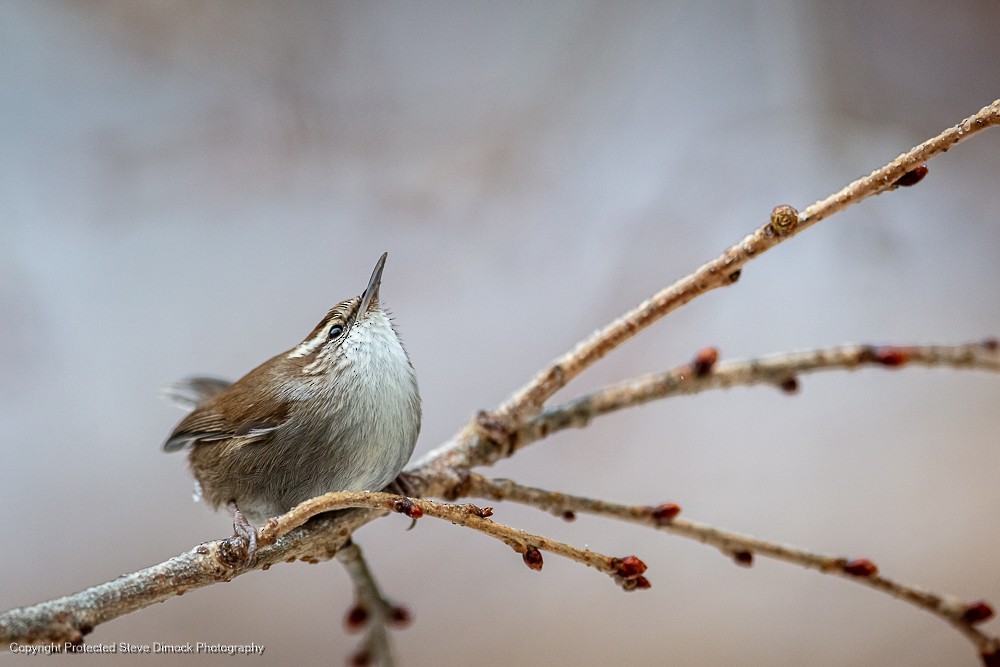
(188, 186)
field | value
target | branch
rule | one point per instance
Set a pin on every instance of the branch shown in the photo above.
(69, 618)
(742, 548)
(780, 370)
(627, 572)
(469, 448)
(370, 609)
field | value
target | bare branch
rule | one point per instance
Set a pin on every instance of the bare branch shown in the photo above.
(742, 549)
(468, 449)
(371, 610)
(627, 572)
(485, 441)
(780, 370)
(69, 618)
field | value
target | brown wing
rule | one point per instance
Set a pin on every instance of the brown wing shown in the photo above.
(208, 425)
(238, 411)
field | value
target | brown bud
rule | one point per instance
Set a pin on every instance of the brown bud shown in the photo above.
(361, 659)
(356, 618)
(629, 567)
(641, 583)
(569, 515)
(400, 616)
(891, 356)
(913, 176)
(704, 361)
(744, 558)
(861, 567)
(532, 558)
(784, 219)
(664, 513)
(407, 507)
(991, 344)
(790, 385)
(977, 612)
(734, 276)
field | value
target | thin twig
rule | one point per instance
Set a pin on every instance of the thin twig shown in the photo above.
(469, 448)
(742, 548)
(69, 618)
(627, 572)
(779, 370)
(371, 610)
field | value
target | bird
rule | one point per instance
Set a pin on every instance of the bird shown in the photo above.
(340, 411)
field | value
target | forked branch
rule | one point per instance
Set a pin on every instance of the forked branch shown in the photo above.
(371, 612)
(779, 370)
(491, 437)
(627, 572)
(743, 548)
(475, 446)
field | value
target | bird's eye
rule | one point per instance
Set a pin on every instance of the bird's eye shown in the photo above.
(335, 331)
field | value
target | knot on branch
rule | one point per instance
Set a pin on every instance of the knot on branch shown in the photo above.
(233, 553)
(458, 485)
(498, 430)
(784, 219)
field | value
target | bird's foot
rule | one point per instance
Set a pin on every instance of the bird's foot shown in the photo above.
(406, 484)
(244, 531)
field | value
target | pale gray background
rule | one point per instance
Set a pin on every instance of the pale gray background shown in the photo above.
(188, 186)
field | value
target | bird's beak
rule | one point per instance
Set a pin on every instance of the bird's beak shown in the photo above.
(371, 292)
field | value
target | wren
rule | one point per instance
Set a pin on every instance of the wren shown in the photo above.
(338, 412)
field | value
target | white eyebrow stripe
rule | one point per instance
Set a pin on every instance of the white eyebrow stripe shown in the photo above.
(309, 346)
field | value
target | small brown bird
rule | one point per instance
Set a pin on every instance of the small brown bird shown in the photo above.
(338, 412)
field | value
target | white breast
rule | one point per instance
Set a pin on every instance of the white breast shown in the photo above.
(385, 402)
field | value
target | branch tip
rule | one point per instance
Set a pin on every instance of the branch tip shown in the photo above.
(977, 612)
(629, 567)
